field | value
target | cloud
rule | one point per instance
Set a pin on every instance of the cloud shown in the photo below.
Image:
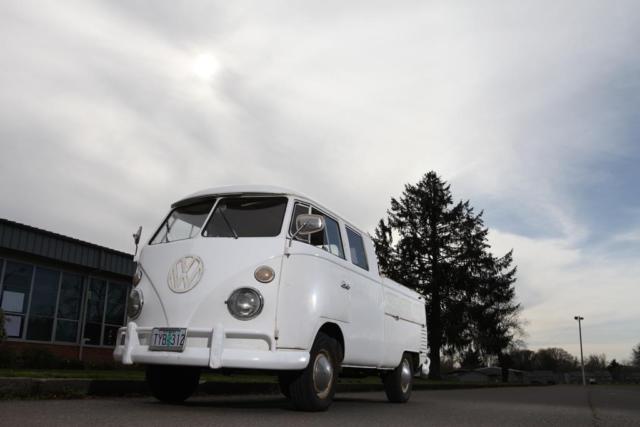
(558, 280)
(529, 109)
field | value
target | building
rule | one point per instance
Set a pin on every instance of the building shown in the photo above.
(60, 293)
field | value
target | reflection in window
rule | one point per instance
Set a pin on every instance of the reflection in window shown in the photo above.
(95, 311)
(247, 217)
(92, 333)
(328, 239)
(356, 246)
(15, 296)
(298, 210)
(15, 289)
(66, 331)
(184, 222)
(116, 300)
(69, 304)
(114, 316)
(43, 304)
(110, 335)
(70, 297)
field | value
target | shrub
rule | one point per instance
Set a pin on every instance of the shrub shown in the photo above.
(71, 364)
(8, 358)
(39, 358)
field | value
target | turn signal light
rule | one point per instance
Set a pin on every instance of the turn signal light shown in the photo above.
(264, 274)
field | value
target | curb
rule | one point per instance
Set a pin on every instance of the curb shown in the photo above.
(77, 388)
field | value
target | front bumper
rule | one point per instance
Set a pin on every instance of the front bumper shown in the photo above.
(206, 348)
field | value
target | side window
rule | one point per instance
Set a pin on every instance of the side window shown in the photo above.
(356, 248)
(298, 209)
(328, 239)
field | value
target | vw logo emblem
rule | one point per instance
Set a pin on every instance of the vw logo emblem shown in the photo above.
(185, 273)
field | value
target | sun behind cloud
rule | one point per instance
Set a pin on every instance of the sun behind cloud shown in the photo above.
(205, 66)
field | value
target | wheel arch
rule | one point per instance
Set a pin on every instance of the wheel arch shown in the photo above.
(334, 331)
(415, 359)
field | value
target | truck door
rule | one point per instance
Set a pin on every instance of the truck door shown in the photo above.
(311, 287)
(366, 329)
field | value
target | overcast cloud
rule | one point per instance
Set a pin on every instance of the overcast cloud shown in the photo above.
(112, 110)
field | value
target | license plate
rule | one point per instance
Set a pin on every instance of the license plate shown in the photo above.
(168, 339)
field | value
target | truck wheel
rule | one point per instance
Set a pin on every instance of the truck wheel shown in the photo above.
(397, 383)
(312, 389)
(172, 384)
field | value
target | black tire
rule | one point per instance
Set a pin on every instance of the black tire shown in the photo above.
(172, 384)
(399, 382)
(311, 392)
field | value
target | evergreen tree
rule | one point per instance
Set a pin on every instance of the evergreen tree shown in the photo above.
(615, 370)
(635, 356)
(441, 251)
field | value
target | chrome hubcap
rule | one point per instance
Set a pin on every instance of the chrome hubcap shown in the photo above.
(405, 376)
(322, 374)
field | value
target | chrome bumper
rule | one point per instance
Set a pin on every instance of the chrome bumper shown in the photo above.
(213, 355)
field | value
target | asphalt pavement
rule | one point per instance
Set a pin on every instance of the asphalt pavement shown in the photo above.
(527, 406)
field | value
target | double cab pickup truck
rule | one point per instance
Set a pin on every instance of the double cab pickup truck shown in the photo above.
(264, 278)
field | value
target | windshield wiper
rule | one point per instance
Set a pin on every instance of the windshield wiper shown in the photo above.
(166, 236)
(224, 217)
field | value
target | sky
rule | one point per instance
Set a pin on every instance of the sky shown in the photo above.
(112, 110)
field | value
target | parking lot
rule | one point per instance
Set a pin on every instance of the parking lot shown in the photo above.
(555, 405)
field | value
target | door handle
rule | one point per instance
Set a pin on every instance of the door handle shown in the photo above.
(345, 285)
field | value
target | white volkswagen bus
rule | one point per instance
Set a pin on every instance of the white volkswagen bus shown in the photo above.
(255, 277)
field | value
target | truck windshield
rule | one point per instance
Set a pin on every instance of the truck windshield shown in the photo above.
(246, 217)
(183, 222)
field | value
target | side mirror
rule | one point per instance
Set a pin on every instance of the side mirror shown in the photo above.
(136, 239)
(136, 235)
(308, 224)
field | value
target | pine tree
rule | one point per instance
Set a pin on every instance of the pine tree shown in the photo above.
(635, 356)
(443, 253)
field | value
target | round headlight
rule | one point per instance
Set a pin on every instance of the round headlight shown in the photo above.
(264, 274)
(135, 303)
(137, 276)
(245, 303)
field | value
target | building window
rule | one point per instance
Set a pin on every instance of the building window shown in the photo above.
(105, 312)
(95, 311)
(115, 309)
(15, 296)
(69, 304)
(43, 304)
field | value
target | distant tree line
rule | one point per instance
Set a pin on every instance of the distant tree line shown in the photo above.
(440, 249)
(546, 359)
(559, 360)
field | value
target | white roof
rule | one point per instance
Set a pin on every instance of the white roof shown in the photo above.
(242, 189)
(259, 189)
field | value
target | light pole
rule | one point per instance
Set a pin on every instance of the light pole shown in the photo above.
(580, 319)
